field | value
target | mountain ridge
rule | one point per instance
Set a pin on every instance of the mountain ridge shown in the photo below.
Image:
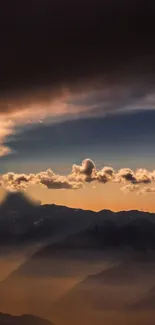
(36, 203)
(24, 221)
(25, 319)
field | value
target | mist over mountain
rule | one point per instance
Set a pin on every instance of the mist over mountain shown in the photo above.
(108, 295)
(146, 302)
(126, 280)
(85, 258)
(93, 242)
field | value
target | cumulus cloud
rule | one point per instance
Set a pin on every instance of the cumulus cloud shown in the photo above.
(87, 172)
(48, 179)
(82, 174)
(130, 188)
(140, 176)
(105, 174)
(146, 190)
(86, 168)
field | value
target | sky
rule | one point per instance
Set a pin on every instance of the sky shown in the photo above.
(77, 102)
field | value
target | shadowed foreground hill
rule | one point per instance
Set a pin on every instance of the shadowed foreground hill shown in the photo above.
(6, 319)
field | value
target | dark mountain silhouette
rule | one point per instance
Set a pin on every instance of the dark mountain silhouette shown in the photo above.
(138, 234)
(22, 220)
(6, 319)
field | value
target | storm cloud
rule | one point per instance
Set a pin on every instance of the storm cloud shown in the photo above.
(65, 59)
(81, 45)
(63, 42)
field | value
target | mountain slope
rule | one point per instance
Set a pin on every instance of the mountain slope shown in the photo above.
(6, 319)
(108, 292)
(57, 268)
(24, 221)
(146, 302)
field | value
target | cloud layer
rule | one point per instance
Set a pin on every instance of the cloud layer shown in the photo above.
(80, 175)
(69, 106)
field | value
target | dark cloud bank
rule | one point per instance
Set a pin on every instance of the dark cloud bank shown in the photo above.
(71, 43)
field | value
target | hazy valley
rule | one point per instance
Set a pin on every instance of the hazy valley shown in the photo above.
(76, 264)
